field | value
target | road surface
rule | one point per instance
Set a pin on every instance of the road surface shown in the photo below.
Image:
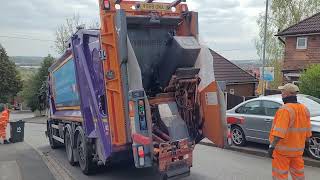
(209, 163)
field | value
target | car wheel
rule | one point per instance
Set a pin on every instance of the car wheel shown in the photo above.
(313, 148)
(238, 137)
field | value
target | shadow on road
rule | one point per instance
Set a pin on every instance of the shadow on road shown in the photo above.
(119, 171)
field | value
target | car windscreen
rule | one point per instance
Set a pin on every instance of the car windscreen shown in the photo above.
(312, 105)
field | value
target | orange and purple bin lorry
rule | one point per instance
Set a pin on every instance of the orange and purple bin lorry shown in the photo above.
(141, 88)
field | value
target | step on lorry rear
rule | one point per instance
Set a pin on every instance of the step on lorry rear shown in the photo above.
(141, 88)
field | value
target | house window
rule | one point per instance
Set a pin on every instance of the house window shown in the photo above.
(302, 42)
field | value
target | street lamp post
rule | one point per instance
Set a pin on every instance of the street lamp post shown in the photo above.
(264, 48)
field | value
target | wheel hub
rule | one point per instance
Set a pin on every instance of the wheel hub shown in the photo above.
(237, 136)
(314, 147)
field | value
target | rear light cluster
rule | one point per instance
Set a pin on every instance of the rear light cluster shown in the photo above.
(141, 155)
(142, 116)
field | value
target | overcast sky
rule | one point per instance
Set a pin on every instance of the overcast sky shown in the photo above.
(27, 26)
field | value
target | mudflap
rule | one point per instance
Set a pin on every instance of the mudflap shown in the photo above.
(175, 159)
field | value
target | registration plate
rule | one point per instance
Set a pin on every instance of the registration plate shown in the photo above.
(154, 7)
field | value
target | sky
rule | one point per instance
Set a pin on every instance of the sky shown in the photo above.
(27, 27)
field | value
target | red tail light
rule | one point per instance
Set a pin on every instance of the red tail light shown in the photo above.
(235, 120)
(141, 152)
(106, 4)
(184, 7)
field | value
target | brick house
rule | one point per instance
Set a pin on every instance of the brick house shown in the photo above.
(302, 47)
(237, 81)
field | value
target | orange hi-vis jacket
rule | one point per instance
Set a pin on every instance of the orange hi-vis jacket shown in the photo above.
(292, 124)
(4, 118)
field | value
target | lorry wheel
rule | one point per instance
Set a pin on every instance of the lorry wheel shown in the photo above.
(85, 153)
(54, 144)
(68, 145)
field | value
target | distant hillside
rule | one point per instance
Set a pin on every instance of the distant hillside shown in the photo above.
(247, 64)
(27, 60)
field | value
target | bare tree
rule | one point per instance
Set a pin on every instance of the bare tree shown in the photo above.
(69, 27)
(65, 31)
(94, 25)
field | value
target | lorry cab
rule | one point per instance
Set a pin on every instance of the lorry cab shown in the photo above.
(142, 84)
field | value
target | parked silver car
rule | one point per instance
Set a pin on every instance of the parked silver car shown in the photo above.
(256, 116)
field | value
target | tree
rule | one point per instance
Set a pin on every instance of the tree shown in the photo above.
(10, 81)
(310, 81)
(34, 92)
(283, 14)
(66, 30)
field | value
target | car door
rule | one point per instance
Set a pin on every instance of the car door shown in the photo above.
(254, 115)
(270, 108)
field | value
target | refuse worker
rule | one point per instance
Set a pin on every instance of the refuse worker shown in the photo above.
(291, 129)
(4, 119)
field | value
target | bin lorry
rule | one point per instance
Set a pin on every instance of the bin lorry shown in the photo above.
(140, 89)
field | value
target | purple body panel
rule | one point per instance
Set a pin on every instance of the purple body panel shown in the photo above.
(74, 113)
(85, 47)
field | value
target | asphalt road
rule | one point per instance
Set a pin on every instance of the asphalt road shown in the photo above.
(209, 163)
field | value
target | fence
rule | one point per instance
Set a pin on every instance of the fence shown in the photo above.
(272, 92)
(234, 100)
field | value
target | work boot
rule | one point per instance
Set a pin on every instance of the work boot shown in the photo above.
(6, 142)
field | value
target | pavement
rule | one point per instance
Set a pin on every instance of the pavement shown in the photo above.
(20, 161)
(210, 163)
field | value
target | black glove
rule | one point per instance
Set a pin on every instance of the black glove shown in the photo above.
(270, 151)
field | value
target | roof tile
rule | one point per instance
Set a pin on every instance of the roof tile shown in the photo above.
(306, 26)
(225, 70)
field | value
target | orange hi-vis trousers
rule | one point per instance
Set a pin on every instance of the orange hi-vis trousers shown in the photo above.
(3, 131)
(282, 165)
(4, 119)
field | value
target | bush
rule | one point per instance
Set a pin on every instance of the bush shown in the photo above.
(34, 90)
(310, 81)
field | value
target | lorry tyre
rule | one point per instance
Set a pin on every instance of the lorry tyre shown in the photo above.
(68, 145)
(54, 144)
(85, 153)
